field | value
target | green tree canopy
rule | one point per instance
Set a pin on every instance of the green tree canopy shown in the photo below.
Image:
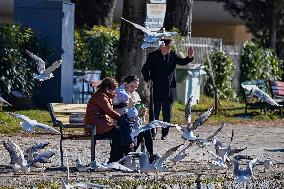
(264, 19)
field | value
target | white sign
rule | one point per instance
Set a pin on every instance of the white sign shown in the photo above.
(158, 1)
(155, 16)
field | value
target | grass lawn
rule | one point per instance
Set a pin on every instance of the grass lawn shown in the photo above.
(229, 113)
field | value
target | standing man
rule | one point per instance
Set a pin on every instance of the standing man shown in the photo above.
(159, 72)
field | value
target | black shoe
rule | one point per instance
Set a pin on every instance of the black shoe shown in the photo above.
(153, 158)
(163, 138)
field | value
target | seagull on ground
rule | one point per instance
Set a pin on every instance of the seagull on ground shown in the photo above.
(3, 101)
(261, 95)
(36, 147)
(43, 157)
(268, 164)
(18, 161)
(243, 175)
(43, 74)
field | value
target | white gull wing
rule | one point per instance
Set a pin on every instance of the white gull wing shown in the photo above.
(17, 155)
(159, 162)
(146, 44)
(243, 175)
(144, 164)
(45, 127)
(38, 60)
(249, 87)
(86, 185)
(210, 138)
(128, 162)
(144, 29)
(36, 147)
(151, 125)
(201, 119)
(180, 154)
(205, 142)
(43, 157)
(53, 67)
(217, 143)
(2, 100)
(23, 118)
(188, 111)
(187, 134)
(118, 166)
(264, 97)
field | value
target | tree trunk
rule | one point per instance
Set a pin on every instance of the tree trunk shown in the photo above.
(94, 12)
(131, 56)
(179, 15)
(273, 30)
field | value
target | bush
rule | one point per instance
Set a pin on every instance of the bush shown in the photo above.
(222, 68)
(259, 63)
(97, 49)
(16, 68)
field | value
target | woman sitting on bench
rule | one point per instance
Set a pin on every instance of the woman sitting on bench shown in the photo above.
(100, 113)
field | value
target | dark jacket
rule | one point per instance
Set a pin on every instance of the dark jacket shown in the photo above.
(161, 70)
(100, 112)
(125, 128)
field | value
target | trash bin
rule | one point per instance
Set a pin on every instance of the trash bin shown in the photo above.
(82, 89)
(188, 82)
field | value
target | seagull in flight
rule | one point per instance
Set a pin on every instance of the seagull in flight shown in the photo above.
(3, 101)
(180, 153)
(151, 39)
(152, 125)
(261, 95)
(29, 125)
(43, 73)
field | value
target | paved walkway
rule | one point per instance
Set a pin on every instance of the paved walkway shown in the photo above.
(262, 140)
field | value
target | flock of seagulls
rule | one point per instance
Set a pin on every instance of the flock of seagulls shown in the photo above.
(152, 39)
(22, 161)
(224, 157)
